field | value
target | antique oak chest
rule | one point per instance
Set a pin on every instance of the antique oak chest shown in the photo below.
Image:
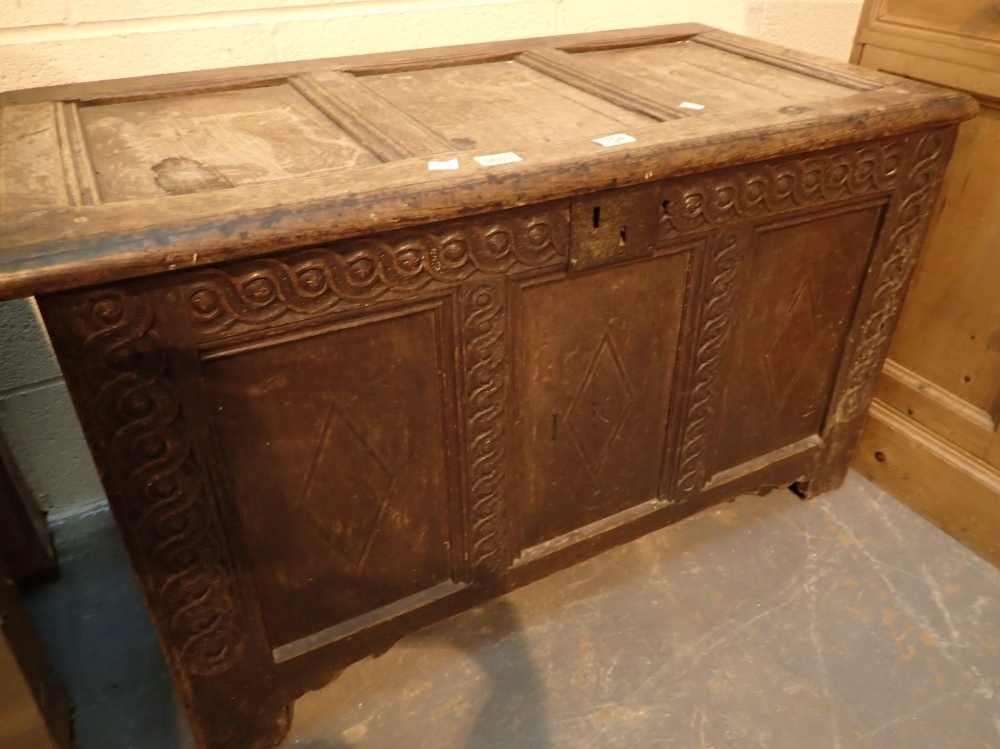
(360, 343)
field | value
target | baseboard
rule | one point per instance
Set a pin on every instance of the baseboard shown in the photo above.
(953, 489)
(940, 411)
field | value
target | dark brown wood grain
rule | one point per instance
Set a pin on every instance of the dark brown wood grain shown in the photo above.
(338, 396)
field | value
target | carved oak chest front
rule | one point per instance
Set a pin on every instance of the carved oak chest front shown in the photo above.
(360, 343)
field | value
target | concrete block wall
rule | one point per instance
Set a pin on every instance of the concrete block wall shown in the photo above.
(48, 42)
(37, 421)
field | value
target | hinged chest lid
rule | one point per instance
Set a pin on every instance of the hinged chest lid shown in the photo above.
(112, 180)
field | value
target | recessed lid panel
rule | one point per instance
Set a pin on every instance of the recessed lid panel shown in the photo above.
(185, 144)
(501, 105)
(719, 81)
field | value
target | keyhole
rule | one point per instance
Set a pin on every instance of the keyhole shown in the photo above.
(597, 217)
(623, 236)
(666, 207)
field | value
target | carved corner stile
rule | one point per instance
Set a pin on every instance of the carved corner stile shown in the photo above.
(164, 503)
(895, 258)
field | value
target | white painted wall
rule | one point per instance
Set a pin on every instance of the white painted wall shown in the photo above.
(44, 42)
(47, 42)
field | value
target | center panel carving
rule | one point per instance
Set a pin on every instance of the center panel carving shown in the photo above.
(601, 405)
(593, 391)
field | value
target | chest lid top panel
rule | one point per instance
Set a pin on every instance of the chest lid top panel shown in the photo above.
(94, 177)
(309, 122)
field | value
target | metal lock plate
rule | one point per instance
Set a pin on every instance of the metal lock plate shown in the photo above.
(613, 226)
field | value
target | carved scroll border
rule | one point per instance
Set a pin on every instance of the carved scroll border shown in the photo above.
(256, 294)
(161, 491)
(893, 268)
(484, 334)
(696, 203)
(723, 272)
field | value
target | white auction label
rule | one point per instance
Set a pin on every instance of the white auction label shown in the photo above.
(442, 166)
(496, 159)
(618, 139)
(691, 105)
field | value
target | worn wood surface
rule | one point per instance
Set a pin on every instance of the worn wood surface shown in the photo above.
(336, 395)
(942, 379)
(242, 206)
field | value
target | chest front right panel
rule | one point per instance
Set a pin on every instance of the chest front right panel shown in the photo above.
(803, 279)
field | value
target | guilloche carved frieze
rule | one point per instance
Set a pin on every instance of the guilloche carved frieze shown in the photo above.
(354, 273)
(695, 203)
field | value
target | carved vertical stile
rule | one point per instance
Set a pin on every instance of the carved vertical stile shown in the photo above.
(722, 274)
(885, 288)
(117, 364)
(484, 341)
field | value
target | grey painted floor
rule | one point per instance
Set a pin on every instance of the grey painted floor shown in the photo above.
(847, 621)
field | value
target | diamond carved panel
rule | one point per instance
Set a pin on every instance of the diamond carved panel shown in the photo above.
(790, 352)
(601, 405)
(346, 488)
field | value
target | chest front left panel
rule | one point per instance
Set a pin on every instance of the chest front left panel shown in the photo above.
(337, 454)
(358, 396)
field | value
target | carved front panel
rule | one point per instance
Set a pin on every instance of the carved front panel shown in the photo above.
(777, 298)
(336, 451)
(595, 359)
(797, 300)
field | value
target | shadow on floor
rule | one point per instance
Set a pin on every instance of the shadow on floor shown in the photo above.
(103, 645)
(510, 700)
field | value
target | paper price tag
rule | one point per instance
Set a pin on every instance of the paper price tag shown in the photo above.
(442, 166)
(618, 139)
(496, 159)
(690, 105)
